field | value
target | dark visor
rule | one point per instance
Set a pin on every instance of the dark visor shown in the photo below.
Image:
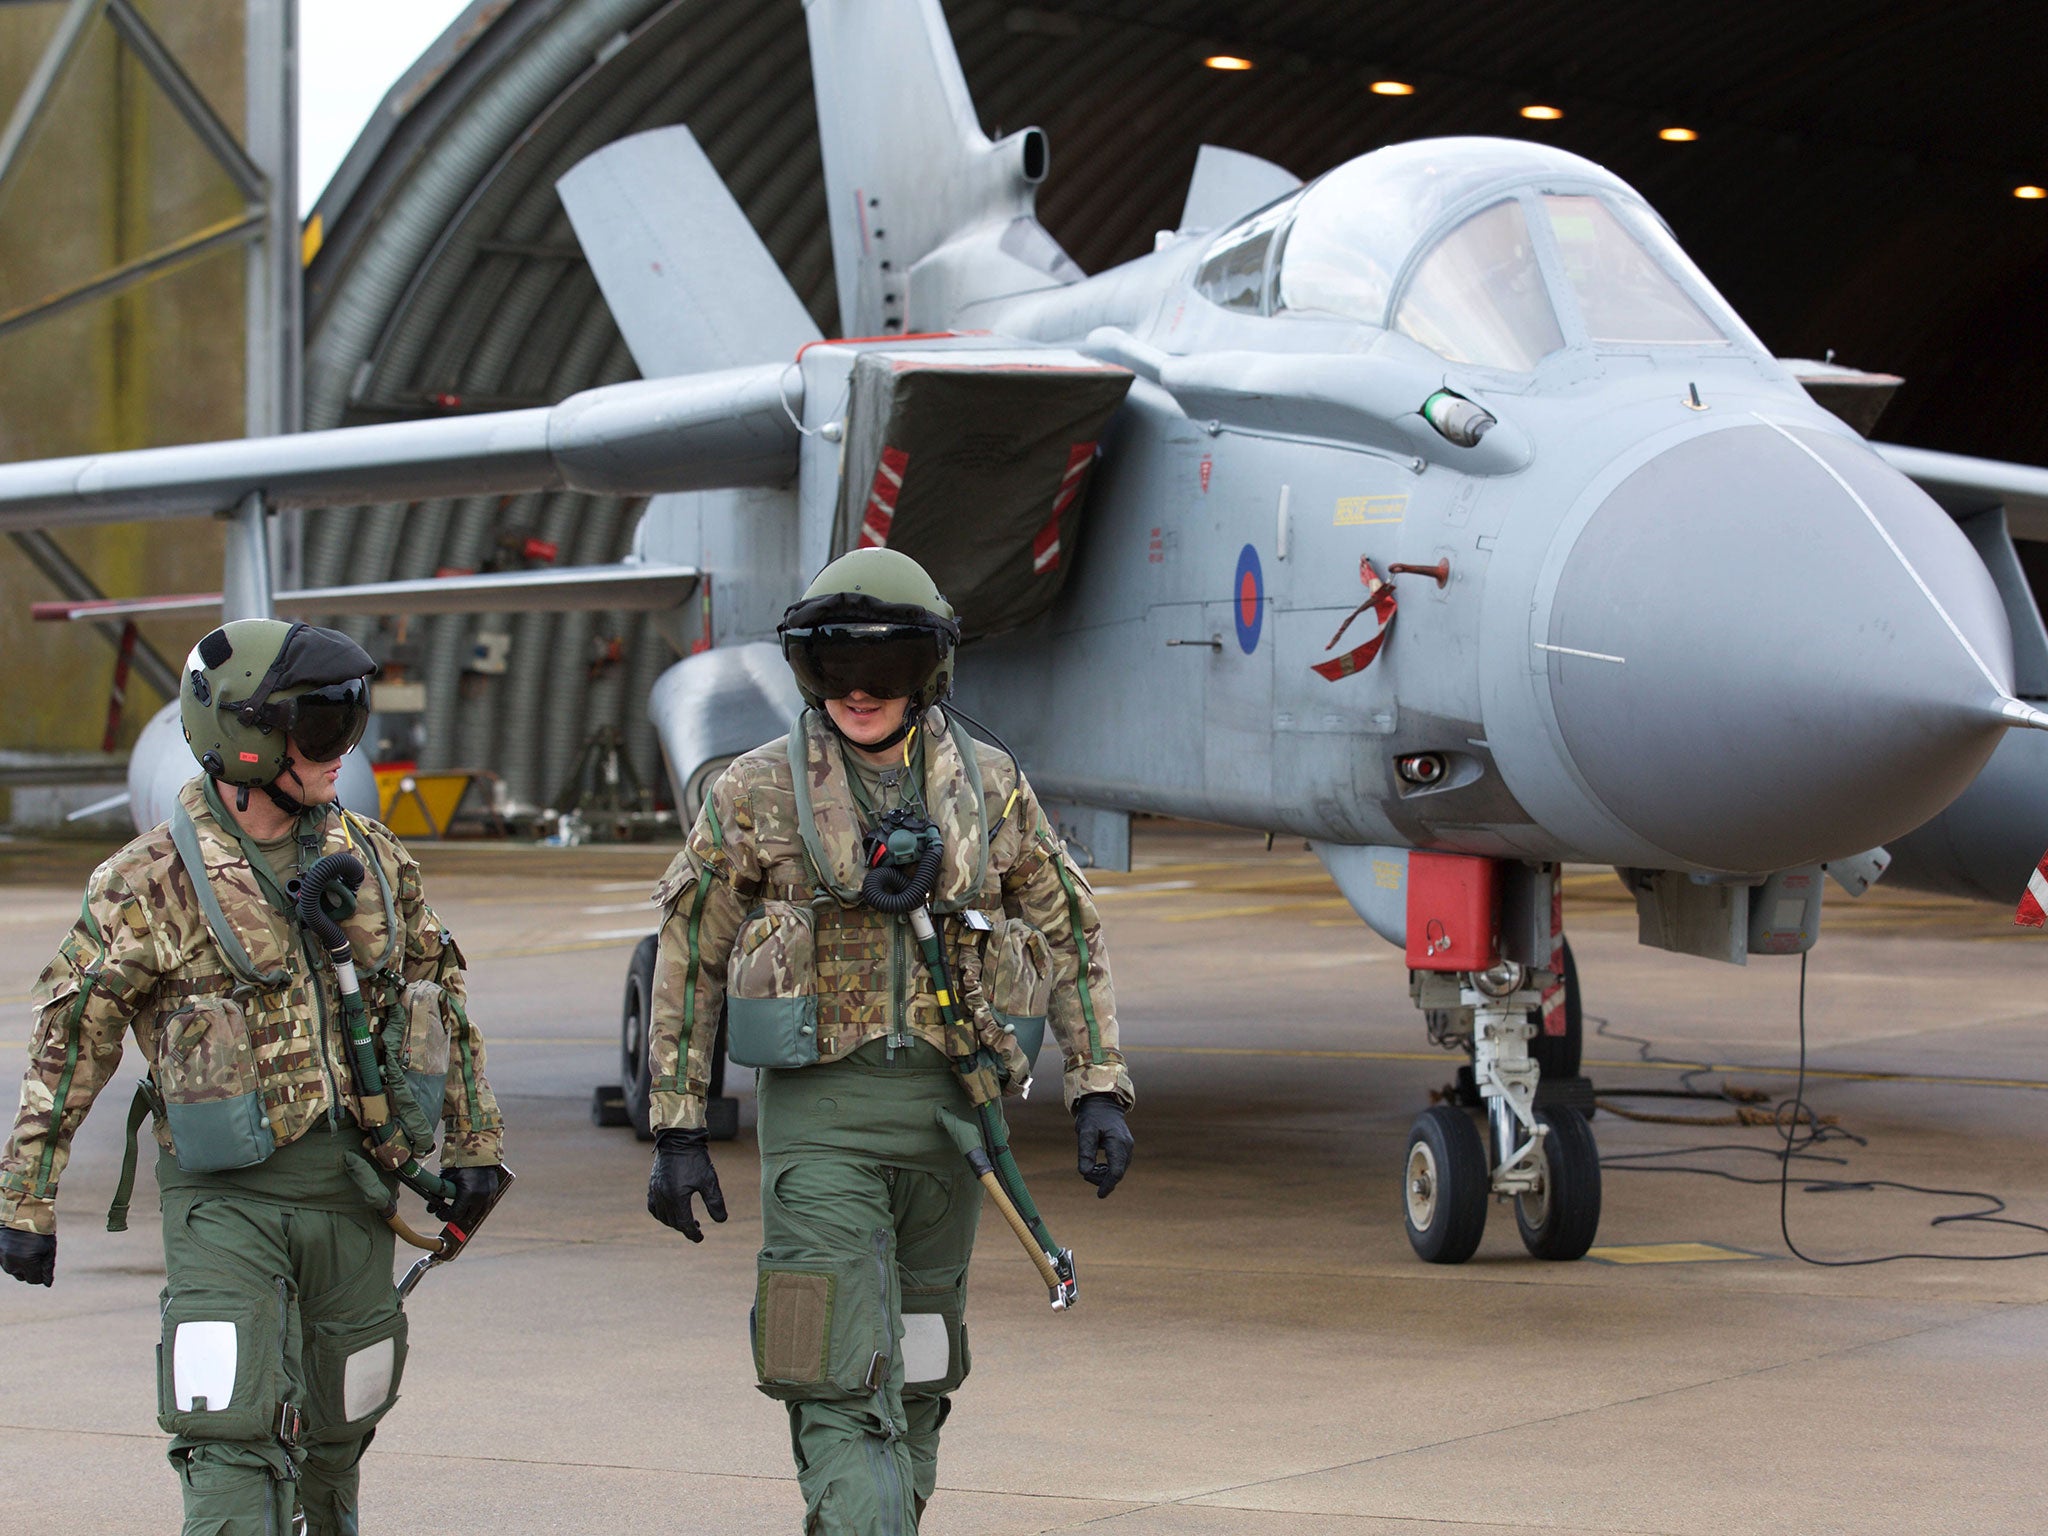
(324, 723)
(888, 661)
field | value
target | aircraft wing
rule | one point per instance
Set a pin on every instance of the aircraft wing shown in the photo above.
(621, 588)
(707, 431)
(1965, 485)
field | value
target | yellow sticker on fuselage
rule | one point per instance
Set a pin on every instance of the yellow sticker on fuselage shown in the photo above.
(1362, 511)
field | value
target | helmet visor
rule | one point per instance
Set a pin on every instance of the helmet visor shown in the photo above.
(325, 723)
(885, 661)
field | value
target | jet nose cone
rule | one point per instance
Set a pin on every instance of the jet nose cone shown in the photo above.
(1769, 648)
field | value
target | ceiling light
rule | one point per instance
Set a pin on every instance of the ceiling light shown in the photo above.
(1227, 61)
(1543, 114)
(1392, 88)
(1676, 135)
(2031, 194)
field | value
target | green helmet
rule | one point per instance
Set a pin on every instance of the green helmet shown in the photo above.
(872, 620)
(256, 687)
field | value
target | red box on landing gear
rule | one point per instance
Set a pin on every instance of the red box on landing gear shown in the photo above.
(1453, 907)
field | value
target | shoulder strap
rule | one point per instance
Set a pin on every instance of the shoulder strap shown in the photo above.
(391, 938)
(970, 765)
(806, 823)
(186, 838)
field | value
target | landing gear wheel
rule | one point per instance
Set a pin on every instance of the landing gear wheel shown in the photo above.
(722, 1113)
(1557, 1056)
(1444, 1185)
(636, 1017)
(1559, 1219)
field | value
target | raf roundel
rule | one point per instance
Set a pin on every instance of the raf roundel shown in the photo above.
(1249, 606)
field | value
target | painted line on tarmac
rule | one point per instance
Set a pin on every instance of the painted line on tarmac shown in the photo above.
(1837, 1076)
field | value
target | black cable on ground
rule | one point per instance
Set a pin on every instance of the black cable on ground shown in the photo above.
(1799, 1131)
(1989, 1216)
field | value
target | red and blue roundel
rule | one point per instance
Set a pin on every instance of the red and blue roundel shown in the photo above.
(1250, 603)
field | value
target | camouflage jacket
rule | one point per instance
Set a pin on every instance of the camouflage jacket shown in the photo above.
(748, 911)
(141, 957)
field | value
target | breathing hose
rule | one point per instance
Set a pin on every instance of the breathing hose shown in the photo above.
(901, 889)
(387, 1145)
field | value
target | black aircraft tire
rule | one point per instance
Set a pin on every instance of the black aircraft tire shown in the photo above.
(636, 1017)
(1561, 1223)
(1558, 1056)
(1444, 1186)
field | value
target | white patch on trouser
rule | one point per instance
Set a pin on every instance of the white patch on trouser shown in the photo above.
(366, 1379)
(203, 1358)
(926, 1349)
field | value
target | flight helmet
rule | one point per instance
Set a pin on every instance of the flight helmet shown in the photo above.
(255, 688)
(872, 620)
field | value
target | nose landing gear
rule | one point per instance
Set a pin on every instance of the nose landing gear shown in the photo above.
(1543, 1155)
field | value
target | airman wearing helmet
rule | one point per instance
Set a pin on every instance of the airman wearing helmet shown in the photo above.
(283, 1341)
(868, 1210)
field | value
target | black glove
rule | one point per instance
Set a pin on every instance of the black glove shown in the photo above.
(1099, 1126)
(31, 1257)
(474, 1188)
(682, 1168)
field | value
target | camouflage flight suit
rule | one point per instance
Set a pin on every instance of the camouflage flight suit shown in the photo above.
(283, 1341)
(868, 1209)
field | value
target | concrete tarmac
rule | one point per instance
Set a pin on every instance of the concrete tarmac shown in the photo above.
(1256, 1349)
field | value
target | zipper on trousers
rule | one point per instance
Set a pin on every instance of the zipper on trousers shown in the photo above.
(888, 1478)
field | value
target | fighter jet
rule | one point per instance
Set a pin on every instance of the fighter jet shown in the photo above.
(1438, 512)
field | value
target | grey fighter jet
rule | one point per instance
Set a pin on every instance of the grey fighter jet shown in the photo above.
(1438, 512)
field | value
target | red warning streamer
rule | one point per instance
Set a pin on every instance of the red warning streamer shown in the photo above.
(1379, 597)
(881, 507)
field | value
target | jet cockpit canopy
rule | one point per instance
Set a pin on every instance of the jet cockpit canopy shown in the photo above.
(1490, 252)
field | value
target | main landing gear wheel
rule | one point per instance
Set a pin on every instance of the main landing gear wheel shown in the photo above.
(1559, 1218)
(636, 1017)
(1444, 1185)
(721, 1113)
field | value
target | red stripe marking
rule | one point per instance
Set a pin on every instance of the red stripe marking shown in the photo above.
(2031, 913)
(1045, 547)
(881, 507)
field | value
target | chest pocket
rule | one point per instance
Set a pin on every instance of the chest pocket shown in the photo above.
(771, 989)
(1017, 980)
(206, 1071)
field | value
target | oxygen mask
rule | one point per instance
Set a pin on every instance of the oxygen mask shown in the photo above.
(902, 854)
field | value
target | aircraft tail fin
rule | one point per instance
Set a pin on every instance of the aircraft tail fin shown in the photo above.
(928, 216)
(681, 268)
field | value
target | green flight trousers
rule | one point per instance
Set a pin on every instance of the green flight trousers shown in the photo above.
(867, 1224)
(283, 1341)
